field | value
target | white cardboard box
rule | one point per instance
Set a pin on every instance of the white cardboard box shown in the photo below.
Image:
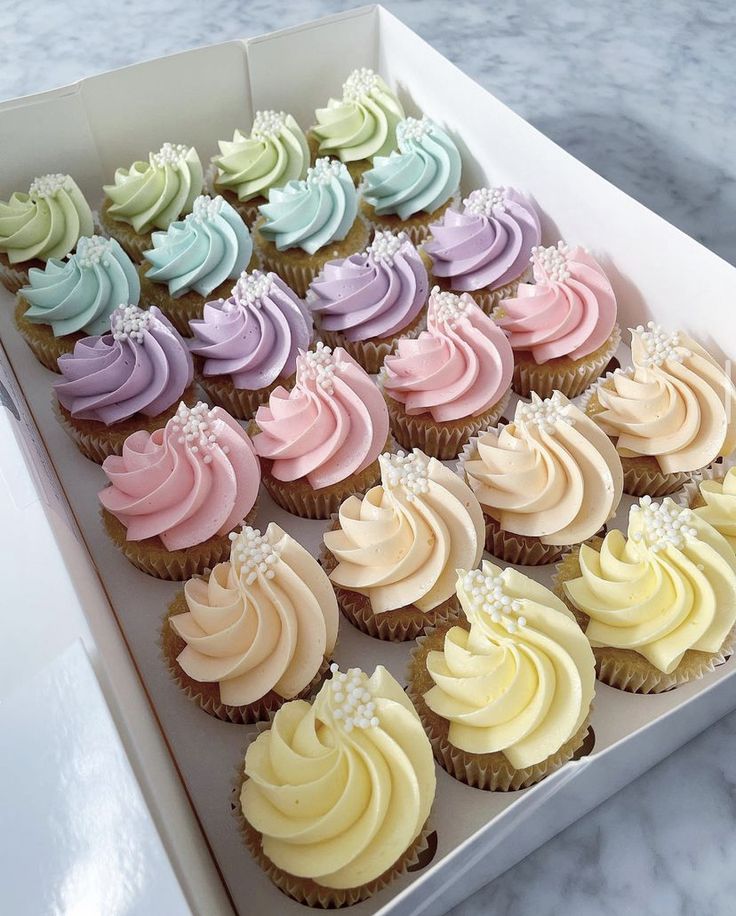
(199, 97)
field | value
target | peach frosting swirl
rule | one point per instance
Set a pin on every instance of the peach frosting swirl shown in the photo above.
(265, 620)
(195, 478)
(459, 367)
(676, 404)
(331, 424)
(402, 542)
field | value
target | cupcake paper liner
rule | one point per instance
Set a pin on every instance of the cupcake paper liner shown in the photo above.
(134, 243)
(241, 403)
(371, 353)
(487, 299)
(492, 771)
(626, 669)
(97, 441)
(15, 276)
(416, 226)
(40, 338)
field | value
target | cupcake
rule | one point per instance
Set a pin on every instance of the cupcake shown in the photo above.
(45, 223)
(307, 223)
(197, 259)
(505, 695)
(485, 248)
(335, 796)
(412, 188)
(393, 554)
(548, 480)
(671, 414)
(450, 382)
(151, 195)
(320, 441)
(563, 326)
(273, 154)
(129, 379)
(360, 125)
(714, 500)
(365, 302)
(258, 630)
(657, 604)
(68, 300)
(246, 346)
(176, 494)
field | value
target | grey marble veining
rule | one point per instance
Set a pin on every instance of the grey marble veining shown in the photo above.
(644, 94)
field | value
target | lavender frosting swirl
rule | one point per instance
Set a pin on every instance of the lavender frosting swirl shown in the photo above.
(141, 366)
(256, 334)
(373, 294)
(488, 244)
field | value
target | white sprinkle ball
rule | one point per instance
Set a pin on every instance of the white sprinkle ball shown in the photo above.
(252, 555)
(448, 308)
(268, 124)
(195, 430)
(252, 288)
(484, 201)
(660, 345)
(410, 472)
(552, 261)
(172, 154)
(351, 700)
(324, 171)
(319, 364)
(130, 322)
(664, 524)
(205, 209)
(545, 413)
(49, 185)
(385, 246)
(412, 130)
(487, 596)
(360, 83)
(92, 251)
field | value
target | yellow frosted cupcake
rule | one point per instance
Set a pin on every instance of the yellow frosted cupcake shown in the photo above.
(714, 500)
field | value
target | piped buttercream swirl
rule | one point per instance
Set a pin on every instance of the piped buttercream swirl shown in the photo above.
(720, 505)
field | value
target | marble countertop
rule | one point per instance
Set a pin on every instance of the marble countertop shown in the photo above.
(641, 92)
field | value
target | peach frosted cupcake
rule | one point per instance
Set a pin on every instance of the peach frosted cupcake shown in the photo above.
(450, 382)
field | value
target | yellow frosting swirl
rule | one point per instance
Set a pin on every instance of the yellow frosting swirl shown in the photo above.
(263, 621)
(401, 543)
(340, 789)
(551, 474)
(668, 586)
(720, 505)
(522, 679)
(676, 404)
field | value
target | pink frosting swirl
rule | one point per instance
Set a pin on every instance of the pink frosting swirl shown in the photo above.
(569, 311)
(459, 367)
(333, 422)
(195, 478)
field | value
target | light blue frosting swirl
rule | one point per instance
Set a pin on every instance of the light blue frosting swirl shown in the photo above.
(422, 175)
(81, 293)
(313, 212)
(202, 250)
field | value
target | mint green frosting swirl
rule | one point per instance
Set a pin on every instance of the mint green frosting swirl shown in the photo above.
(275, 152)
(46, 222)
(422, 176)
(155, 193)
(310, 214)
(201, 251)
(81, 293)
(363, 123)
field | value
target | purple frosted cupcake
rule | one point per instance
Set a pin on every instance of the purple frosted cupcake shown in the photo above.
(365, 302)
(485, 249)
(247, 345)
(131, 378)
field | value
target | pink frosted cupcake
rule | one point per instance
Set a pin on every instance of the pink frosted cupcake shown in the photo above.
(485, 248)
(563, 326)
(319, 443)
(450, 382)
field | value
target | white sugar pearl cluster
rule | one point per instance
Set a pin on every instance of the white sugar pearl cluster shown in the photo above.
(665, 524)
(324, 171)
(93, 250)
(484, 201)
(361, 82)
(412, 129)
(385, 246)
(194, 425)
(252, 288)
(268, 123)
(130, 322)
(205, 208)
(661, 345)
(48, 185)
(252, 554)
(552, 260)
(353, 705)
(544, 413)
(487, 595)
(320, 364)
(448, 307)
(410, 472)
(169, 154)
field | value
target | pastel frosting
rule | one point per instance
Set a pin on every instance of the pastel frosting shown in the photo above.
(551, 474)
(263, 621)
(569, 311)
(487, 244)
(402, 542)
(46, 222)
(666, 587)
(191, 480)
(141, 366)
(255, 335)
(200, 252)
(155, 193)
(422, 176)
(361, 124)
(81, 293)
(521, 680)
(273, 154)
(312, 212)
(372, 294)
(720, 505)
(331, 424)
(676, 403)
(459, 367)
(339, 796)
